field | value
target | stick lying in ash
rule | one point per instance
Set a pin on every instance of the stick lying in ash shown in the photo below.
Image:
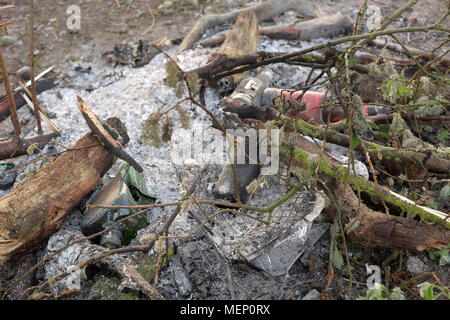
(262, 11)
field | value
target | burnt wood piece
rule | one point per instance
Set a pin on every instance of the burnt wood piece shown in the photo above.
(241, 41)
(18, 147)
(108, 136)
(34, 210)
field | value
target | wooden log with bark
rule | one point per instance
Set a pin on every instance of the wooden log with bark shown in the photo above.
(35, 209)
(377, 229)
(262, 12)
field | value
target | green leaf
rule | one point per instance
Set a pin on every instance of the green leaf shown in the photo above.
(193, 82)
(426, 291)
(151, 133)
(136, 183)
(402, 90)
(167, 130)
(137, 180)
(351, 225)
(338, 259)
(355, 139)
(184, 118)
(357, 255)
(380, 156)
(179, 89)
(445, 192)
(351, 62)
(173, 74)
(442, 255)
(397, 294)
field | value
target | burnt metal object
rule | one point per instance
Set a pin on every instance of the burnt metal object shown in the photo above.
(247, 94)
(114, 193)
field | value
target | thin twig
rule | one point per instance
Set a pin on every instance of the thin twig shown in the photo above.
(33, 84)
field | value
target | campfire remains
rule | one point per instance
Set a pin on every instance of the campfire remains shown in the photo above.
(323, 97)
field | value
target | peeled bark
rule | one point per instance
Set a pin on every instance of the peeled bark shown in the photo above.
(35, 210)
(241, 41)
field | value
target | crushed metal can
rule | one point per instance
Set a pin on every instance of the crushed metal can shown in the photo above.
(277, 250)
(294, 229)
(114, 193)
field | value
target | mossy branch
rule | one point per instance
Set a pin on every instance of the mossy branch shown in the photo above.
(376, 151)
(311, 162)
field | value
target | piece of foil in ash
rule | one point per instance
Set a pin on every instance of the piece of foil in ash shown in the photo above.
(273, 249)
(279, 250)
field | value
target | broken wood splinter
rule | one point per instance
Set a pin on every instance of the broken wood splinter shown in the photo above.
(106, 135)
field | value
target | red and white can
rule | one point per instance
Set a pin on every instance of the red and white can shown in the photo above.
(312, 101)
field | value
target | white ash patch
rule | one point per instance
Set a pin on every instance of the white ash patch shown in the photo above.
(137, 94)
(141, 92)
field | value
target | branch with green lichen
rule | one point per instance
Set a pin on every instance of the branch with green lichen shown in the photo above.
(430, 160)
(312, 162)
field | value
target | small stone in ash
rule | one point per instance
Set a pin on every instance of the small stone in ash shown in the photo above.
(24, 73)
(10, 40)
(6, 180)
